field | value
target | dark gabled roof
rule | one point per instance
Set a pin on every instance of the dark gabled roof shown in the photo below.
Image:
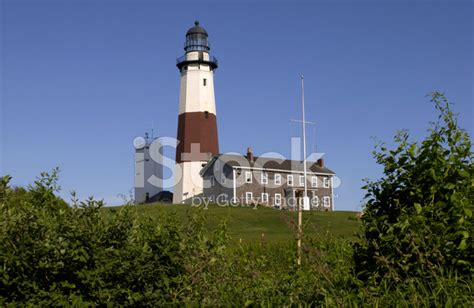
(236, 160)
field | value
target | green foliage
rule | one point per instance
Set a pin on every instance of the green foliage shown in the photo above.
(86, 255)
(4, 189)
(52, 254)
(42, 193)
(417, 222)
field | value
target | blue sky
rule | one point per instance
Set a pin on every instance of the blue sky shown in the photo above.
(79, 80)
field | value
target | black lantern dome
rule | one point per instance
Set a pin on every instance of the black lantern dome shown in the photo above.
(196, 39)
(197, 29)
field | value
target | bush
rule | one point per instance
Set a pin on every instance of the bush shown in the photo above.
(52, 254)
(417, 222)
(414, 250)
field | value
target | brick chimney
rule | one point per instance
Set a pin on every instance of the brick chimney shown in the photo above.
(320, 162)
(250, 154)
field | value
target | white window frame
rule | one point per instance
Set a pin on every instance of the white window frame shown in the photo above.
(314, 197)
(277, 200)
(314, 181)
(327, 201)
(248, 197)
(264, 177)
(264, 197)
(289, 180)
(277, 179)
(326, 182)
(248, 177)
(302, 180)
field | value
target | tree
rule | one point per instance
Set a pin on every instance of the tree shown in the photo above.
(418, 217)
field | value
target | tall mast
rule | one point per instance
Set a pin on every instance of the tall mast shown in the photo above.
(305, 195)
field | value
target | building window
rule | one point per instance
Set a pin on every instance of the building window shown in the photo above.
(248, 177)
(204, 82)
(326, 201)
(314, 200)
(326, 182)
(277, 199)
(264, 178)
(301, 180)
(277, 179)
(265, 197)
(212, 181)
(248, 197)
(206, 114)
(314, 181)
(289, 180)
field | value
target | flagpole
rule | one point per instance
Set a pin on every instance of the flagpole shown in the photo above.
(305, 195)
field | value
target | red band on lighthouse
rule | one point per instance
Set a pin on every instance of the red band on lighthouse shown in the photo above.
(196, 128)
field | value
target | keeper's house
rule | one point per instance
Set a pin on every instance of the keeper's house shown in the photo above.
(267, 181)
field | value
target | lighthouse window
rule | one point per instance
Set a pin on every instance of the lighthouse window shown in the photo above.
(206, 114)
(204, 81)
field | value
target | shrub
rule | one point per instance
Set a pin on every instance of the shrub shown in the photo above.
(52, 254)
(417, 221)
(87, 255)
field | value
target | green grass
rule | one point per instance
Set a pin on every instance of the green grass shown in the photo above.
(248, 225)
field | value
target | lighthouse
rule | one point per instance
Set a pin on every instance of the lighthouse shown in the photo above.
(197, 124)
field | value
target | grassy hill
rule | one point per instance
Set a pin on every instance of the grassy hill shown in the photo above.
(249, 225)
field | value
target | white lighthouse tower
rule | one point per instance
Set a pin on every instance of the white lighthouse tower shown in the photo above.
(197, 125)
